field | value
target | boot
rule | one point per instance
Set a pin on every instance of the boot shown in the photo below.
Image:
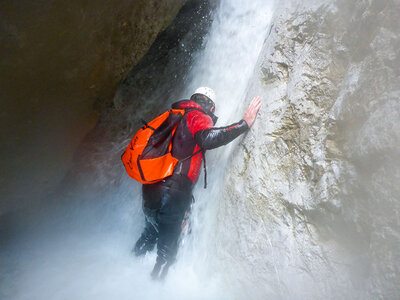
(160, 269)
(146, 242)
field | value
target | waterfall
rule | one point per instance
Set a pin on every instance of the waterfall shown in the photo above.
(227, 65)
(83, 249)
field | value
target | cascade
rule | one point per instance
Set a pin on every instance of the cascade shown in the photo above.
(84, 250)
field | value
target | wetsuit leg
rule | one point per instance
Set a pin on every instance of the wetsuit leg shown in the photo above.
(174, 205)
(171, 199)
(151, 207)
(170, 217)
(148, 238)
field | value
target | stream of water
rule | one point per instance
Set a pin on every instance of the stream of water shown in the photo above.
(88, 256)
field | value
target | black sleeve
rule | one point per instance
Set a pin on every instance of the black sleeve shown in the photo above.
(216, 137)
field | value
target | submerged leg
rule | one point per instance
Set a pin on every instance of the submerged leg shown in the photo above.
(147, 240)
(170, 218)
(167, 249)
(170, 199)
(160, 269)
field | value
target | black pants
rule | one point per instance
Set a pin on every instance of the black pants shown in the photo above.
(164, 205)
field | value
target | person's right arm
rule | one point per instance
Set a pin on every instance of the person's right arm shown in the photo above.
(211, 138)
(219, 136)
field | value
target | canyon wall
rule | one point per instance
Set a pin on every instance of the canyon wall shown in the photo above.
(313, 192)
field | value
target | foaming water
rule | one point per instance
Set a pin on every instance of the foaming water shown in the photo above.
(226, 65)
(83, 252)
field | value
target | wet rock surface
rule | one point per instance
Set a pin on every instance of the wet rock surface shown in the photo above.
(313, 193)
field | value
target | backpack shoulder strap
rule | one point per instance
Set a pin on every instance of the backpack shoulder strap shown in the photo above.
(192, 109)
(199, 151)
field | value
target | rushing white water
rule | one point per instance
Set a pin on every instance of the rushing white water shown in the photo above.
(89, 257)
(226, 65)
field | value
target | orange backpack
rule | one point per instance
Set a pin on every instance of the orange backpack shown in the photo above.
(148, 157)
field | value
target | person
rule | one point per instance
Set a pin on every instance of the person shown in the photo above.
(166, 202)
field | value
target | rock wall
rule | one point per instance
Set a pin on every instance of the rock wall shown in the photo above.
(312, 195)
(60, 63)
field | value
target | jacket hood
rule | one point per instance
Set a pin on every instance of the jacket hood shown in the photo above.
(187, 104)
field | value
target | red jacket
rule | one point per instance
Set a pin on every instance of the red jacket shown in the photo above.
(195, 132)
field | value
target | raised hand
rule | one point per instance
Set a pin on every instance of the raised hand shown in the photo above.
(251, 112)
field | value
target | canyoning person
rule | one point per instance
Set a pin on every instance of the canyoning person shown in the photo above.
(166, 202)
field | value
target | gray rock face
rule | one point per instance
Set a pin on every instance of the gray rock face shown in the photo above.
(314, 196)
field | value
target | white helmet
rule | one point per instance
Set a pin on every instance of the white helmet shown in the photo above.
(206, 91)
